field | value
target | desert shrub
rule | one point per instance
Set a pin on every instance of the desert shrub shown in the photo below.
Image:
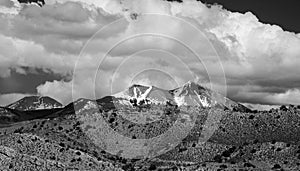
(283, 108)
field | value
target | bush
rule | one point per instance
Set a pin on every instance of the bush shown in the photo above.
(283, 108)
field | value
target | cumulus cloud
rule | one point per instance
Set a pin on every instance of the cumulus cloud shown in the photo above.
(260, 61)
(7, 3)
(60, 28)
(56, 89)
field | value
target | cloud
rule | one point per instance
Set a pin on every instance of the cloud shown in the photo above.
(67, 12)
(292, 96)
(289, 96)
(7, 3)
(61, 27)
(16, 53)
(260, 61)
(56, 89)
(260, 107)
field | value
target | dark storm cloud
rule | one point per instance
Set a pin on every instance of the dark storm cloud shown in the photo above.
(283, 83)
(289, 97)
(26, 84)
(260, 91)
(266, 89)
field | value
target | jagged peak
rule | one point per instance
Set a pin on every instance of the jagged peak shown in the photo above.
(142, 91)
(190, 93)
(193, 85)
(190, 83)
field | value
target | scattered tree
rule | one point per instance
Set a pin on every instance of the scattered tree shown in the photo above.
(283, 108)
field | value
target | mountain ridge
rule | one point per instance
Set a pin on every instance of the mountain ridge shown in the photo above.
(190, 94)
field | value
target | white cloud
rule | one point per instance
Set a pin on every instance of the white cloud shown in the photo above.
(253, 54)
(291, 96)
(59, 90)
(260, 107)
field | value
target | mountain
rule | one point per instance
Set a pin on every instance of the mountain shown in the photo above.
(156, 138)
(74, 107)
(35, 103)
(190, 94)
(143, 94)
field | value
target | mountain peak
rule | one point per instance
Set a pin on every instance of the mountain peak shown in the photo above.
(136, 89)
(142, 94)
(192, 85)
(189, 94)
(35, 103)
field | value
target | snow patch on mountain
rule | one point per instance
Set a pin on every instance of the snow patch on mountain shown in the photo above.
(190, 94)
(203, 100)
(180, 101)
(142, 94)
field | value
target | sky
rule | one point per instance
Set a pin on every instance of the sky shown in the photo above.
(93, 48)
(280, 12)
